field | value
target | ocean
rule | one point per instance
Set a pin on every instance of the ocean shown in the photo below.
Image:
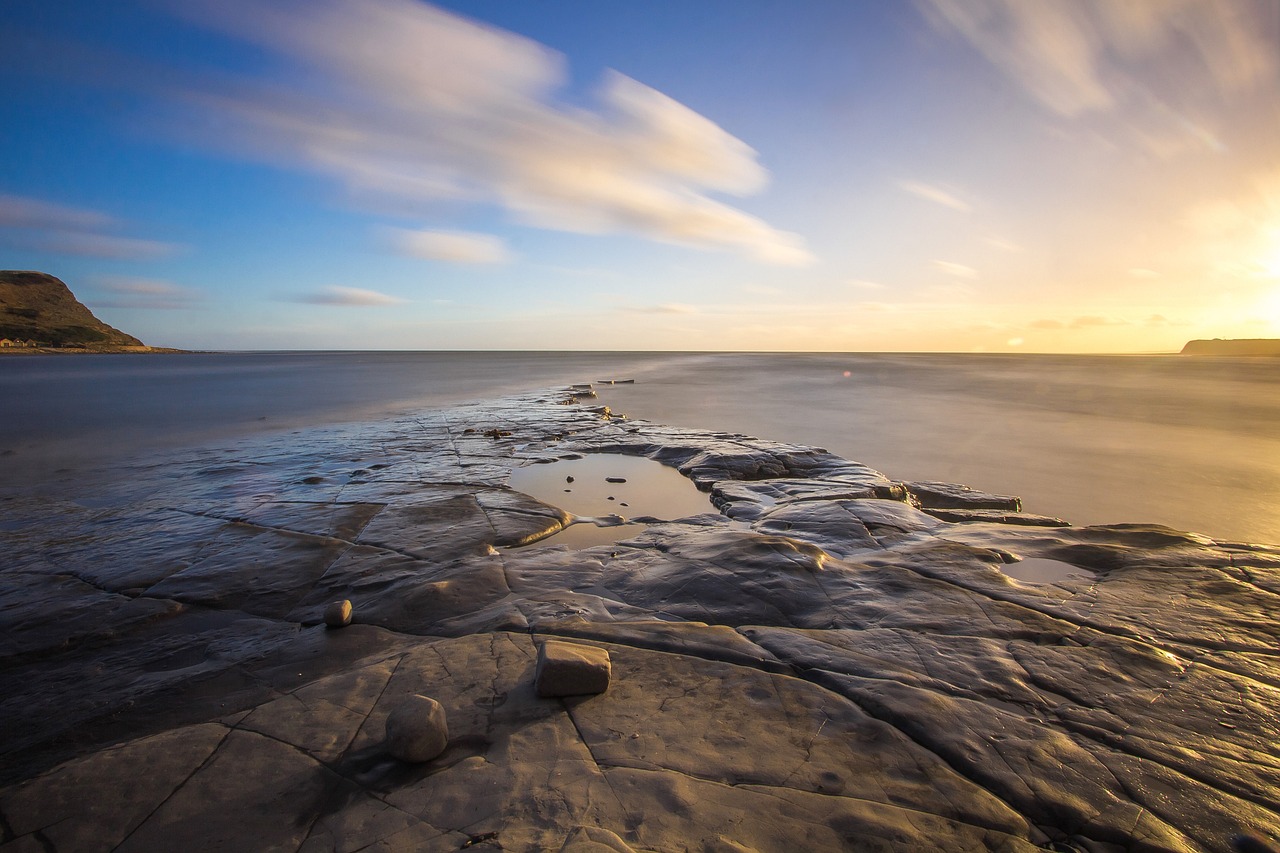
(1190, 442)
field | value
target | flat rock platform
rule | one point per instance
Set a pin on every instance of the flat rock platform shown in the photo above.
(822, 660)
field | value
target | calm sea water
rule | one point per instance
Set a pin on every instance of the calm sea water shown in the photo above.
(1189, 442)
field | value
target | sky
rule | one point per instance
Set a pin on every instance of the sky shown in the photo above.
(827, 175)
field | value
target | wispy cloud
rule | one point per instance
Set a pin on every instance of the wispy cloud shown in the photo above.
(1096, 322)
(32, 223)
(935, 194)
(400, 99)
(146, 293)
(1092, 321)
(958, 270)
(455, 247)
(1157, 64)
(346, 296)
(1143, 272)
(1003, 244)
(666, 308)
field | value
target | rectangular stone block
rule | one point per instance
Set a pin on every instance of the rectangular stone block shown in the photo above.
(570, 669)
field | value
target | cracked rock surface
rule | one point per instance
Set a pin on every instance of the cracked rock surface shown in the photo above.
(823, 660)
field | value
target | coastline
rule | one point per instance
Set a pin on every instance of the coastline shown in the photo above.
(143, 350)
(814, 659)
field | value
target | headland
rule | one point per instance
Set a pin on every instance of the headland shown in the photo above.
(40, 314)
(1236, 347)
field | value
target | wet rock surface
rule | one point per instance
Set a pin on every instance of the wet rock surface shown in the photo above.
(830, 661)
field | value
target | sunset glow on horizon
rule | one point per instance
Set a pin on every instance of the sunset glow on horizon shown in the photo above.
(994, 176)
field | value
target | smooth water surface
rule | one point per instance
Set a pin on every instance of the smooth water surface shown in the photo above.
(72, 411)
(583, 488)
(1037, 570)
(1191, 442)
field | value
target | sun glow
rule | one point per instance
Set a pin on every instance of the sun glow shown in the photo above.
(1271, 261)
(1269, 309)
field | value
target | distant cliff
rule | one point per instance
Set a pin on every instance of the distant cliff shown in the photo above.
(1242, 346)
(39, 310)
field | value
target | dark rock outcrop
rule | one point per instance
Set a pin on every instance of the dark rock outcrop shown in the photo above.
(40, 309)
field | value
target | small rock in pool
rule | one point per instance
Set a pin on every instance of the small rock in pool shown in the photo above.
(417, 730)
(569, 479)
(615, 479)
(338, 614)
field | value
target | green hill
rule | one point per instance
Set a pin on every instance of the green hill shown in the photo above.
(41, 310)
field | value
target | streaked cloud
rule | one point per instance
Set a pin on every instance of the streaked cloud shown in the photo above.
(346, 296)
(37, 214)
(957, 270)
(145, 293)
(36, 224)
(455, 247)
(1002, 244)
(863, 284)
(935, 194)
(1143, 272)
(1166, 68)
(400, 99)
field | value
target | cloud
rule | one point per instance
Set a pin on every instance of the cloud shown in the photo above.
(1095, 322)
(36, 214)
(957, 270)
(400, 99)
(667, 308)
(1002, 244)
(862, 284)
(349, 296)
(1142, 272)
(456, 247)
(1091, 321)
(146, 293)
(937, 195)
(1158, 64)
(31, 223)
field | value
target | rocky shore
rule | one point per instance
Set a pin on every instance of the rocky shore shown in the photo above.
(824, 659)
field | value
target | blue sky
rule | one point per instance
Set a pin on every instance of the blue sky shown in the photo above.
(986, 175)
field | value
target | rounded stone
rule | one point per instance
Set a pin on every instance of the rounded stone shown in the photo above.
(338, 614)
(416, 730)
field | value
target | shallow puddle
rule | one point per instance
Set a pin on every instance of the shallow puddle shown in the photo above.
(582, 487)
(1043, 570)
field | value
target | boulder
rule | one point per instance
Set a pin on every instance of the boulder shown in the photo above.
(338, 614)
(417, 730)
(570, 669)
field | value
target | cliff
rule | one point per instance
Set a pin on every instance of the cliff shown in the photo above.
(40, 309)
(1242, 346)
